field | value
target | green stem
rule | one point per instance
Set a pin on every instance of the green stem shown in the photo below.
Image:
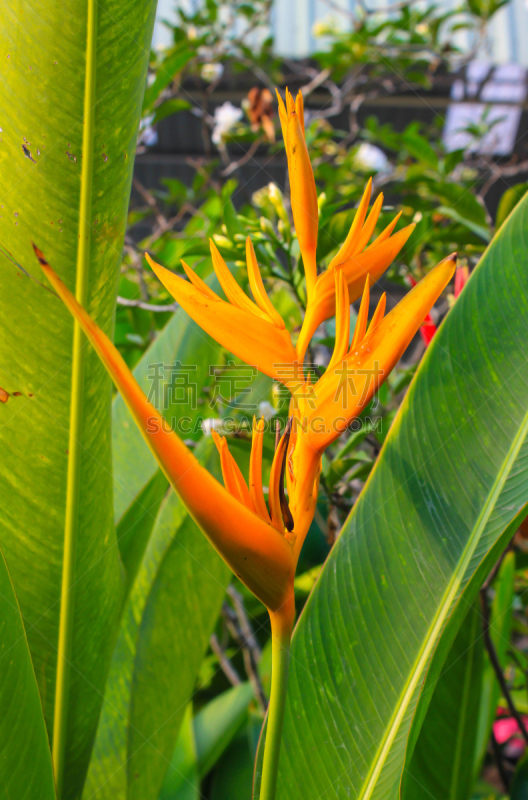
(281, 630)
(62, 686)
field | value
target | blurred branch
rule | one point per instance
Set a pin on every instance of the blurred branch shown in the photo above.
(239, 626)
(227, 668)
(494, 659)
(497, 752)
(234, 165)
(498, 172)
(124, 301)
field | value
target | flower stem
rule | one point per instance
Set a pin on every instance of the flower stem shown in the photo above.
(281, 630)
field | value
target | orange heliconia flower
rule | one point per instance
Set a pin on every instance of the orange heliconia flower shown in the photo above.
(260, 540)
(261, 543)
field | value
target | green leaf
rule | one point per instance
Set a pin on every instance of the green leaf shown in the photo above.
(437, 510)
(218, 723)
(181, 781)
(170, 107)
(501, 618)
(47, 167)
(445, 751)
(136, 524)
(170, 613)
(232, 776)
(168, 70)
(25, 758)
(509, 200)
(419, 147)
(519, 787)
(453, 214)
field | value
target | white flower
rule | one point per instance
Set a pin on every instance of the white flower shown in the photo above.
(266, 410)
(147, 134)
(370, 157)
(226, 117)
(211, 424)
(212, 72)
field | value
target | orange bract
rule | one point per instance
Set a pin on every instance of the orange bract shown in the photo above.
(261, 540)
(254, 549)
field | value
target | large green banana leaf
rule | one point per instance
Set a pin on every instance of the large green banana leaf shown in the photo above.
(452, 478)
(458, 722)
(46, 73)
(442, 762)
(25, 757)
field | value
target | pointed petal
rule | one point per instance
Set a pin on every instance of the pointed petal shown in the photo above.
(249, 337)
(233, 292)
(361, 322)
(303, 199)
(372, 262)
(257, 287)
(378, 314)
(283, 117)
(255, 470)
(233, 479)
(299, 108)
(348, 247)
(290, 105)
(276, 476)
(342, 336)
(386, 232)
(255, 552)
(370, 224)
(197, 282)
(343, 395)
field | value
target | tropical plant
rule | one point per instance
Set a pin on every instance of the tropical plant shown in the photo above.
(123, 632)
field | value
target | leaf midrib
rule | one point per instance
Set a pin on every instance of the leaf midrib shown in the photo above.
(443, 609)
(71, 522)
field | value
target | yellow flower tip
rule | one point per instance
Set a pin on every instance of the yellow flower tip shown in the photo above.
(378, 314)
(303, 194)
(299, 109)
(258, 290)
(290, 104)
(350, 245)
(198, 283)
(361, 322)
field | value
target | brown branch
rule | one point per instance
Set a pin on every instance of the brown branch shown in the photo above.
(127, 303)
(497, 752)
(234, 165)
(150, 200)
(495, 663)
(498, 172)
(227, 668)
(240, 628)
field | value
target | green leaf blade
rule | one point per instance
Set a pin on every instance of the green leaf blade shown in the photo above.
(42, 94)
(25, 758)
(442, 759)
